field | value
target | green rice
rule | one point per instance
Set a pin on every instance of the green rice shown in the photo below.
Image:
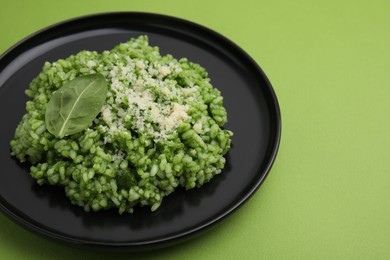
(161, 128)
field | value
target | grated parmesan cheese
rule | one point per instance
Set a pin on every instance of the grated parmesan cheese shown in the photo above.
(189, 91)
(164, 71)
(177, 116)
(133, 94)
(198, 127)
(91, 64)
(106, 113)
(140, 64)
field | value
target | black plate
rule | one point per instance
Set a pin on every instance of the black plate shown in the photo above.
(253, 114)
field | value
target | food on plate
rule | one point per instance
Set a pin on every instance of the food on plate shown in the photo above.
(122, 128)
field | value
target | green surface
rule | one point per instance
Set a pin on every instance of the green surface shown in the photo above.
(327, 194)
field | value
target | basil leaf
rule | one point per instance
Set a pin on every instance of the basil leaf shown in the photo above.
(75, 105)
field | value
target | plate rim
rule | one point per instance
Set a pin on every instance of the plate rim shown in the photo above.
(37, 228)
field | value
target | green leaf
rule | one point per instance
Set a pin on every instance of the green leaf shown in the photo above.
(75, 105)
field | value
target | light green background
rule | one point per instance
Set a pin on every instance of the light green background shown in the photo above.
(327, 196)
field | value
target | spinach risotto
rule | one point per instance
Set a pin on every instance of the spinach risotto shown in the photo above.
(122, 128)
